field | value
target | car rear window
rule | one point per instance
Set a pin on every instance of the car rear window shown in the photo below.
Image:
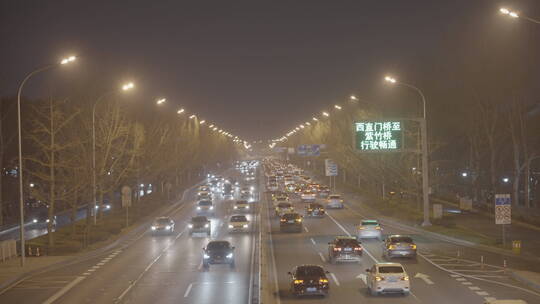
(205, 203)
(370, 223)
(347, 243)
(291, 216)
(390, 269)
(401, 239)
(199, 219)
(238, 218)
(309, 271)
(335, 196)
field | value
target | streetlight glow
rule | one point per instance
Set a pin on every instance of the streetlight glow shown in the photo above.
(325, 114)
(161, 101)
(337, 107)
(390, 79)
(180, 111)
(68, 60)
(192, 116)
(353, 97)
(128, 86)
(302, 126)
(315, 119)
(202, 122)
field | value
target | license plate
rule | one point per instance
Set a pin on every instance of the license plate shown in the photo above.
(291, 222)
(348, 249)
(391, 279)
(311, 289)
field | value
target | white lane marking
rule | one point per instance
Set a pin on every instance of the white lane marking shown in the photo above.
(313, 241)
(276, 284)
(348, 234)
(490, 299)
(322, 257)
(87, 273)
(474, 288)
(305, 228)
(96, 267)
(133, 283)
(455, 276)
(62, 291)
(100, 264)
(200, 266)
(363, 277)
(482, 293)
(425, 278)
(466, 283)
(334, 278)
(91, 270)
(461, 279)
(186, 294)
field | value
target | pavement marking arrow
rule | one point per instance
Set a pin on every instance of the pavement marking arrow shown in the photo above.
(425, 278)
(363, 277)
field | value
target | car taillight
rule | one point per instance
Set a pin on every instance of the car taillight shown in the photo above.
(413, 246)
(298, 281)
(357, 248)
(337, 249)
(298, 220)
(405, 278)
(392, 247)
(283, 220)
(378, 227)
(378, 278)
(323, 280)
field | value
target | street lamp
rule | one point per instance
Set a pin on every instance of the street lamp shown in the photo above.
(353, 98)
(192, 116)
(515, 15)
(423, 131)
(126, 87)
(337, 107)
(161, 101)
(315, 119)
(180, 111)
(64, 61)
(325, 114)
(202, 122)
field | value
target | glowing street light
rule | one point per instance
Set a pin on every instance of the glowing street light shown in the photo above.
(515, 15)
(337, 107)
(315, 119)
(302, 126)
(308, 123)
(390, 79)
(161, 101)
(353, 98)
(128, 86)
(68, 60)
(180, 111)
(192, 116)
(215, 129)
(325, 114)
(211, 126)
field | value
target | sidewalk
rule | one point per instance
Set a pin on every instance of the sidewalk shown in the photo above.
(11, 271)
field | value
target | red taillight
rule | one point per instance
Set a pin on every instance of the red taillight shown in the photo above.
(357, 248)
(337, 249)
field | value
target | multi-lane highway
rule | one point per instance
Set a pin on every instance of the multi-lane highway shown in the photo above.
(154, 269)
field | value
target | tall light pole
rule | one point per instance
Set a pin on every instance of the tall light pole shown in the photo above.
(126, 87)
(515, 15)
(424, 151)
(21, 189)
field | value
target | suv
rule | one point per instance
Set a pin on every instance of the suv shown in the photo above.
(238, 223)
(218, 252)
(334, 201)
(387, 278)
(205, 207)
(344, 249)
(309, 280)
(315, 209)
(290, 222)
(369, 229)
(308, 196)
(200, 224)
(163, 224)
(399, 245)
(241, 205)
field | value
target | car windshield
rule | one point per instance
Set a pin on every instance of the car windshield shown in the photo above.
(370, 223)
(291, 216)
(309, 271)
(335, 196)
(347, 243)
(401, 239)
(315, 206)
(163, 221)
(241, 202)
(199, 219)
(216, 245)
(238, 218)
(284, 205)
(390, 269)
(205, 203)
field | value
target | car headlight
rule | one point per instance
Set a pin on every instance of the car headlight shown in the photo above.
(378, 278)
(231, 226)
(211, 207)
(235, 207)
(34, 221)
(153, 227)
(247, 207)
(252, 188)
(198, 208)
(206, 225)
(392, 247)
(229, 256)
(167, 227)
(190, 225)
(206, 256)
(47, 220)
(245, 225)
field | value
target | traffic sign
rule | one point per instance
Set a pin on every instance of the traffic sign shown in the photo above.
(309, 150)
(331, 168)
(378, 136)
(503, 209)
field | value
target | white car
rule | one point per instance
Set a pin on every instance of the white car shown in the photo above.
(308, 196)
(369, 229)
(334, 201)
(238, 223)
(205, 207)
(241, 205)
(387, 278)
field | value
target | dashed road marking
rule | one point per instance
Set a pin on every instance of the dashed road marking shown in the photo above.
(62, 291)
(474, 288)
(334, 278)
(461, 279)
(186, 294)
(482, 293)
(490, 299)
(313, 241)
(87, 273)
(100, 264)
(305, 228)
(466, 283)
(91, 270)
(322, 257)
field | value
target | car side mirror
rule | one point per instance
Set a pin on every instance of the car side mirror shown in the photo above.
(368, 270)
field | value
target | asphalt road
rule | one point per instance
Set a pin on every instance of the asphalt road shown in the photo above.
(449, 280)
(153, 269)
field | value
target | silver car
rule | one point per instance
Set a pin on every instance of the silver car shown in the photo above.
(387, 278)
(162, 225)
(399, 246)
(369, 229)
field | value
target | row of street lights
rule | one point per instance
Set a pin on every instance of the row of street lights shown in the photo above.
(124, 88)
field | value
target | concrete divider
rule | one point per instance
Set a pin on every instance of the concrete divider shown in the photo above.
(8, 249)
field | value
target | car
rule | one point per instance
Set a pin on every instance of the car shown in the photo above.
(282, 208)
(227, 189)
(273, 187)
(344, 249)
(334, 201)
(162, 225)
(290, 221)
(324, 192)
(238, 223)
(399, 246)
(218, 252)
(290, 188)
(241, 205)
(205, 207)
(369, 229)
(280, 197)
(315, 210)
(387, 278)
(246, 190)
(200, 224)
(202, 194)
(309, 280)
(308, 196)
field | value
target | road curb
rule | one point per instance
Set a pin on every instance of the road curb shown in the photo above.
(89, 255)
(530, 283)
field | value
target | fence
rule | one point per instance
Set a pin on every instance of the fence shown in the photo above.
(8, 249)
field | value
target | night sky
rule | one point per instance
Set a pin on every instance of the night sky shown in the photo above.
(256, 67)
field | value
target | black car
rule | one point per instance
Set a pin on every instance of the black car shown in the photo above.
(315, 210)
(291, 222)
(309, 280)
(200, 224)
(218, 252)
(344, 249)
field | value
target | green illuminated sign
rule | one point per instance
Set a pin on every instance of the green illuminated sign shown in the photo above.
(375, 136)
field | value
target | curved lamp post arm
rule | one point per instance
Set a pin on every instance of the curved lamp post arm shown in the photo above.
(419, 92)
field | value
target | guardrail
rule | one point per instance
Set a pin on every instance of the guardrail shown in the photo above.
(8, 249)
